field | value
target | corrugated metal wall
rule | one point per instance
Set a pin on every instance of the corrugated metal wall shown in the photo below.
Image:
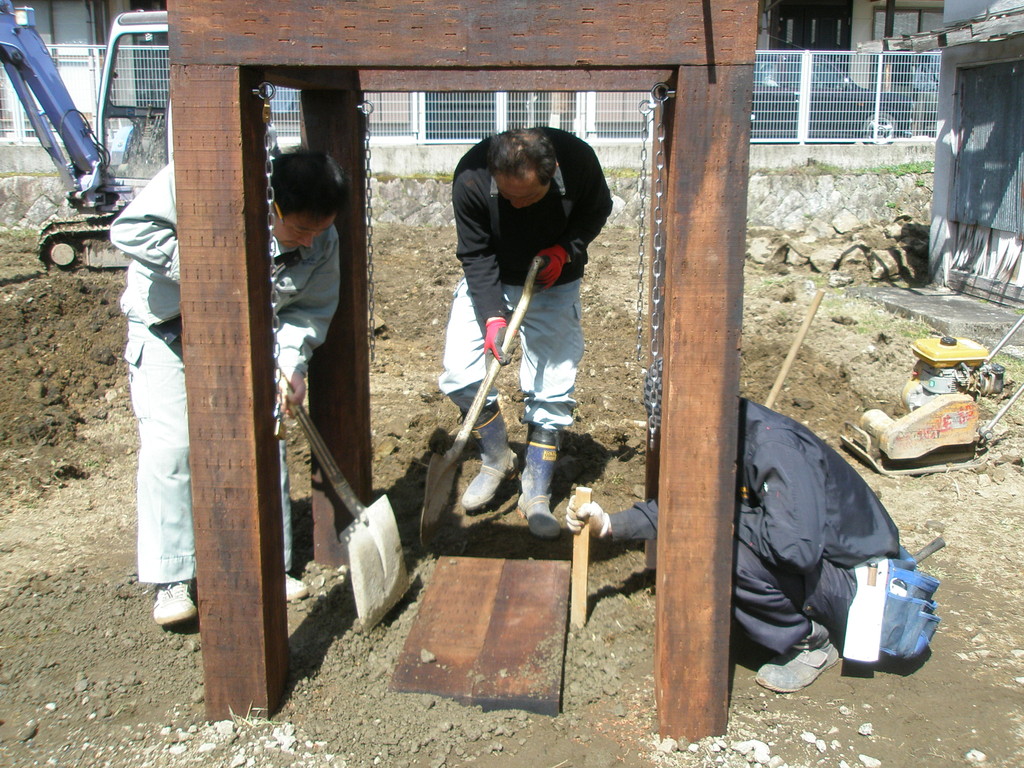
(990, 164)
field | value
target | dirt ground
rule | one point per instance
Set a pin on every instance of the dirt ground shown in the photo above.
(87, 679)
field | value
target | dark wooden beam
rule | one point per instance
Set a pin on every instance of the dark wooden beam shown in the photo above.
(575, 79)
(708, 132)
(398, 80)
(229, 369)
(339, 378)
(461, 33)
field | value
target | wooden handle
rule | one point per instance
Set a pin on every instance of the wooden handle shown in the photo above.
(777, 387)
(494, 366)
(580, 564)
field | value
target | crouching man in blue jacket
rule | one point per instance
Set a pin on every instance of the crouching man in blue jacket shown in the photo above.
(804, 520)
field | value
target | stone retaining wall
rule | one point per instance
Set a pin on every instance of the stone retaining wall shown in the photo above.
(791, 200)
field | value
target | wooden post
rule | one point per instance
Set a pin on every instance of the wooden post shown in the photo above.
(705, 232)
(339, 379)
(229, 370)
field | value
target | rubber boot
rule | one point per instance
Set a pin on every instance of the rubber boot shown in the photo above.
(535, 501)
(801, 665)
(498, 461)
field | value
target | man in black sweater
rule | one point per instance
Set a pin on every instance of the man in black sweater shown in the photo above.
(804, 520)
(517, 195)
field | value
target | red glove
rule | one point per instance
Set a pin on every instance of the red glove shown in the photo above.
(554, 259)
(494, 338)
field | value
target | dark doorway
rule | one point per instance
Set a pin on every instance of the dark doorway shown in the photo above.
(815, 26)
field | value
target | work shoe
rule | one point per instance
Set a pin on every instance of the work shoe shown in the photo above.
(535, 502)
(295, 589)
(801, 665)
(498, 461)
(173, 603)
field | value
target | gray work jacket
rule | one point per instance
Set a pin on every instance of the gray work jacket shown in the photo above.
(307, 290)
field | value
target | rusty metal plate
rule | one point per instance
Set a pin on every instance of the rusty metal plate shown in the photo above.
(490, 632)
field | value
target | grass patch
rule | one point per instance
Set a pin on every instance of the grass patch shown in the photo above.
(904, 169)
(814, 168)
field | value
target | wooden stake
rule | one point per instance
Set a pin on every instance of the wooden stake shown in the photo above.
(580, 564)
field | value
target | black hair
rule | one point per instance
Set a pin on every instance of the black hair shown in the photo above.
(307, 181)
(519, 151)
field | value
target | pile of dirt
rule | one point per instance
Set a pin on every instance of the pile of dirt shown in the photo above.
(87, 679)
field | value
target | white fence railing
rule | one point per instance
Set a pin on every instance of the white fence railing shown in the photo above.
(799, 97)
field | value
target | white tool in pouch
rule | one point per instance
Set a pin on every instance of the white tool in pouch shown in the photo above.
(864, 624)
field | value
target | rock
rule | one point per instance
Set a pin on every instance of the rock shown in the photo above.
(427, 657)
(385, 447)
(224, 728)
(754, 749)
(844, 221)
(869, 762)
(668, 746)
(975, 756)
(28, 731)
(824, 260)
(760, 249)
(884, 263)
(866, 729)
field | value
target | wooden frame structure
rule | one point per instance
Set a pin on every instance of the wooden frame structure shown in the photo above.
(221, 50)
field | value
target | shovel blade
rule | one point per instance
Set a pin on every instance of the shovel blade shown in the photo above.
(438, 488)
(376, 563)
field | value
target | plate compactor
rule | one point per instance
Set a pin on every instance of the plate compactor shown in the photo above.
(941, 430)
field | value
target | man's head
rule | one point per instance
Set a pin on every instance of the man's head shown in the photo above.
(522, 163)
(309, 189)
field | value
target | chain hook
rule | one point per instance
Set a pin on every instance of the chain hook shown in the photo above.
(661, 93)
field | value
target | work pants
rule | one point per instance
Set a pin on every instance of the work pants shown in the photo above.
(552, 347)
(166, 542)
(775, 607)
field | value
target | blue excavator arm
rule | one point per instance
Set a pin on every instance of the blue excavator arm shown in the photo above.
(62, 130)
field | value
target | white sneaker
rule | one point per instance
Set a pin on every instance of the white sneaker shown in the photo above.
(173, 604)
(295, 589)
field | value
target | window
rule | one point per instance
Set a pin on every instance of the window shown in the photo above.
(907, 22)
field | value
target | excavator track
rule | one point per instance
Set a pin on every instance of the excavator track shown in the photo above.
(80, 242)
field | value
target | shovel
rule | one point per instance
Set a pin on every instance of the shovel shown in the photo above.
(379, 578)
(441, 472)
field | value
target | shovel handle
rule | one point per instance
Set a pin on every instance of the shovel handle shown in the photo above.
(930, 548)
(794, 348)
(494, 366)
(327, 463)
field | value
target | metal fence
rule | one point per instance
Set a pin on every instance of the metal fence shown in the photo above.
(834, 96)
(799, 97)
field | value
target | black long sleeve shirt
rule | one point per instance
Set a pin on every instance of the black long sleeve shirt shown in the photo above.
(497, 242)
(799, 500)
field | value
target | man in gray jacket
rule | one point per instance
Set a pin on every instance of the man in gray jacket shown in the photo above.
(309, 189)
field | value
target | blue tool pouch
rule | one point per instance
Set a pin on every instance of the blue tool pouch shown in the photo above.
(908, 618)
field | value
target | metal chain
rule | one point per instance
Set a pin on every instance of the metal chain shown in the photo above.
(366, 108)
(660, 93)
(265, 91)
(646, 108)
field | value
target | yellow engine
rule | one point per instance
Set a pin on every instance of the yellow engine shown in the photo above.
(946, 366)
